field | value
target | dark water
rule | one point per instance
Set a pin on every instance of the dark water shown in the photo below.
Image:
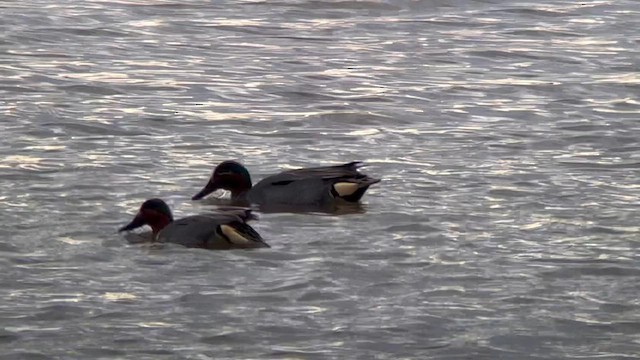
(506, 132)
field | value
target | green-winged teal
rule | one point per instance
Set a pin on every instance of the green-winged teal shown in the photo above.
(318, 186)
(217, 231)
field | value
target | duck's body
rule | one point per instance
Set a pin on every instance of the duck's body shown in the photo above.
(318, 186)
(216, 231)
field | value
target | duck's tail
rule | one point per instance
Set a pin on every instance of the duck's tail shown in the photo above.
(353, 191)
(242, 235)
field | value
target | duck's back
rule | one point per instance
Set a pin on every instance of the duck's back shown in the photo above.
(310, 186)
(284, 190)
(191, 231)
(212, 231)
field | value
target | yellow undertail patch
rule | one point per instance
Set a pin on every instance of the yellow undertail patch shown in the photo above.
(233, 235)
(345, 188)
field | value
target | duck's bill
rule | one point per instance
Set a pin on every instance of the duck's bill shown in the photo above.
(137, 222)
(208, 189)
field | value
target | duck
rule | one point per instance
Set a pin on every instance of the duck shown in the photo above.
(223, 230)
(315, 186)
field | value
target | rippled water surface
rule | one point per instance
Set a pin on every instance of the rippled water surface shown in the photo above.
(506, 134)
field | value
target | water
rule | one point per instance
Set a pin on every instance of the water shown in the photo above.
(506, 134)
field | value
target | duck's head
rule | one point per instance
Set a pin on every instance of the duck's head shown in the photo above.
(153, 212)
(229, 175)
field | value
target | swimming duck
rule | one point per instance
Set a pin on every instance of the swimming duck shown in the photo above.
(317, 186)
(217, 231)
